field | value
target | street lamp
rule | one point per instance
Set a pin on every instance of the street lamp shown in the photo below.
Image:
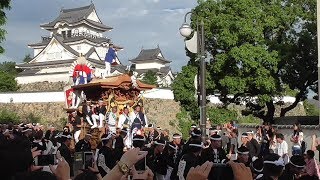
(196, 45)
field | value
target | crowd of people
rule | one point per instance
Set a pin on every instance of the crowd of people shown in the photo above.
(217, 154)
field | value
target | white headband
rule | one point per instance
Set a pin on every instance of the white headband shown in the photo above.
(108, 137)
(246, 152)
(194, 134)
(244, 136)
(137, 139)
(176, 137)
(216, 139)
(278, 162)
(296, 165)
(256, 169)
(26, 130)
(69, 136)
(197, 145)
(156, 143)
(193, 126)
(173, 146)
(250, 132)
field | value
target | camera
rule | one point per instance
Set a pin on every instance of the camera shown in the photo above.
(45, 160)
(140, 166)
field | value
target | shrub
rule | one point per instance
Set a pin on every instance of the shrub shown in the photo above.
(250, 119)
(184, 123)
(7, 116)
(32, 118)
(219, 115)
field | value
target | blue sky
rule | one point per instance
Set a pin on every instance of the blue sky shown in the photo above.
(136, 23)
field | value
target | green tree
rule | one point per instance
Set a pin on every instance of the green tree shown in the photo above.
(248, 42)
(27, 58)
(220, 115)
(311, 109)
(7, 82)
(150, 78)
(7, 116)
(4, 4)
(300, 60)
(184, 123)
(9, 67)
(184, 90)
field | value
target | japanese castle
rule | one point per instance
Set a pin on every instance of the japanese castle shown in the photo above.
(79, 32)
(75, 32)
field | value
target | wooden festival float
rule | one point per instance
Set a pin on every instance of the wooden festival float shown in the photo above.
(121, 91)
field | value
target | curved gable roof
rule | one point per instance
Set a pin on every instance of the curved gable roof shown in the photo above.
(75, 15)
(150, 54)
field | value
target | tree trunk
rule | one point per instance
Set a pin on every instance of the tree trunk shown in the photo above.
(270, 112)
(292, 106)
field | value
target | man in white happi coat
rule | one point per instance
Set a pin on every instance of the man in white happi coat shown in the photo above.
(125, 123)
(112, 119)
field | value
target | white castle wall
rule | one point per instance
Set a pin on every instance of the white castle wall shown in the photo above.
(32, 97)
(155, 93)
(41, 78)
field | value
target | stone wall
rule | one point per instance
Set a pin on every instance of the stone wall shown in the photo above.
(160, 112)
(50, 113)
(297, 111)
(42, 86)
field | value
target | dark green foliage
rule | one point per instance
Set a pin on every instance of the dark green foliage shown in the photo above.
(311, 109)
(7, 116)
(9, 67)
(27, 58)
(32, 118)
(219, 116)
(4, 4)
(184, 123)
(7, 82)
(150, 78)
(256, 48)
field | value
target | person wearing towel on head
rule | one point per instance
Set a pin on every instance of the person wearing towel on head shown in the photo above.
(84, 144)
(65, 151)
(243, 155)
(273, 166)
(214, 153)
(139, 141)
(156, 161)
(106, 156)
(294, 168)
(188, 160)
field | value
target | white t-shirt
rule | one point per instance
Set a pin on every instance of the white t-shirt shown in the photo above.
(282, 148)
(300, 137)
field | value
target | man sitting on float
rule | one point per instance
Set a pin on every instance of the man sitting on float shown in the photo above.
(81, 73)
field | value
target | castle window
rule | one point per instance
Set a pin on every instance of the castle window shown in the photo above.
(69, 33)
(76, 32)
(63, 34)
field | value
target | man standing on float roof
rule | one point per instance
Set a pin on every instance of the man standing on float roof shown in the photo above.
(109, 59)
